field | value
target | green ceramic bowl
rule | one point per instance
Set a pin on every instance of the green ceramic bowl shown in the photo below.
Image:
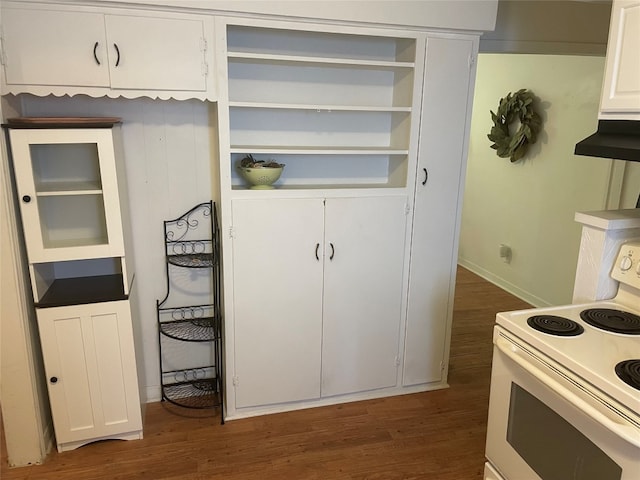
(260, 178)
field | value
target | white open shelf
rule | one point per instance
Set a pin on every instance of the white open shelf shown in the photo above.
(65, 167)
(79, 281)
(312, 44)
(330, 171)
(319, 84)
(72, 220)
(335, 108)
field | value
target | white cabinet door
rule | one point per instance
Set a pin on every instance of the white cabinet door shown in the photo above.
(91, 371)
(621, 88)
(61, 48)
(45, 47)
(277, 291)
(156, 53)
(364, 254)
(440, 178)
(68, 193)
(317, 296)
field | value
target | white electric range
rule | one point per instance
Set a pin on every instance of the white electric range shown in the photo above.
(565, 387)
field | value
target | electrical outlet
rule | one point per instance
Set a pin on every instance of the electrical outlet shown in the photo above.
(505, 253)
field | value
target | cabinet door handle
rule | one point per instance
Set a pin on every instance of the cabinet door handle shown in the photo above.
(53, 379)
(426, 176)
(317, 247)
(26, 198)
(95, 55)
(333, 251)
(115, 45)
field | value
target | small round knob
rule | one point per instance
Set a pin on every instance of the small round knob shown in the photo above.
(53, 379)
(625, 263)
(26, 198)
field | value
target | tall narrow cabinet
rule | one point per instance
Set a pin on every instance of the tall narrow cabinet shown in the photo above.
(73, 202)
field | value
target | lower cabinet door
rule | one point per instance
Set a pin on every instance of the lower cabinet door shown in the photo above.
(277, 300)
(91, 371)
(317, 289)
(363, 289)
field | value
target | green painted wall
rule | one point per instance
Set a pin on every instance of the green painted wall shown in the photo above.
(530, 205)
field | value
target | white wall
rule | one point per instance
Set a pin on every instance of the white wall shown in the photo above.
(560, 27)
(530, 205)
(25, 408)
(169, 148)
(630, 185)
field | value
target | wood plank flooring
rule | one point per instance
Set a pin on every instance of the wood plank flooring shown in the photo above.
(435, 435)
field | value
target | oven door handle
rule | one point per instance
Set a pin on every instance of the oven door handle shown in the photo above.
(627, 432)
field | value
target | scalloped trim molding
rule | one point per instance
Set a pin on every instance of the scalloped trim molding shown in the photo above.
(44, 91)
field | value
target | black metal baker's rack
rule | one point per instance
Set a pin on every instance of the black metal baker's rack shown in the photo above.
(192, 241)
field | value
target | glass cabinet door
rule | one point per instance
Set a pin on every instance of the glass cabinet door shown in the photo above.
(68, 193)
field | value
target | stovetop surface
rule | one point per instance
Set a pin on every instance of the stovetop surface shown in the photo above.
(591, 355)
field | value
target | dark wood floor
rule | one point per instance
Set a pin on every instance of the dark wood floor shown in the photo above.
(435, 435)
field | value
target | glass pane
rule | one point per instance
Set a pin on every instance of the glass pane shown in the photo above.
(551, 446)
(65, 166)
(72, 220)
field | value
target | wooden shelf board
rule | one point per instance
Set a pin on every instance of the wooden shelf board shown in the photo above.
(322, 108)
(82, 290)
(378, 187)
(62, 122)
(316, 150)
(331, 61)
(76, 242)
(68, 188)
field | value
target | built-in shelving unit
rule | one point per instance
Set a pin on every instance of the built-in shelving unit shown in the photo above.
(335, 108)
(191, 243)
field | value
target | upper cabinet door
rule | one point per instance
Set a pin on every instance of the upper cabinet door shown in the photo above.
(54, 48)
(156, 53)
(68, 193)
(621, 89)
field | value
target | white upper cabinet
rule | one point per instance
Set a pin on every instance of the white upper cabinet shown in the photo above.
(156, 53)
(621, 88)
(36, 53)
(107, 54)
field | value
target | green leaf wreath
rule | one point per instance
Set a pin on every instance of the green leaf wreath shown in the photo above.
(517, 106)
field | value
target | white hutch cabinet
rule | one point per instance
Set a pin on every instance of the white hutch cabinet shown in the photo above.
(339, 282)
(73, 203)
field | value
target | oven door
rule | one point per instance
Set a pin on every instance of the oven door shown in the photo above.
(544, 427)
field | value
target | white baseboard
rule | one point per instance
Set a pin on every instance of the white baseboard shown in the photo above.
(153, 394)
(504, 284)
